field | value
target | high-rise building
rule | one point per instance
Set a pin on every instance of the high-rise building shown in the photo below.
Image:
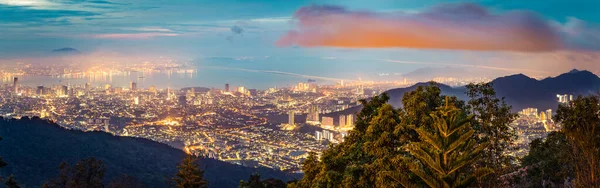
(327, 121)
(64, 90)
(318, 135)
(136, 100)
(16, 85)
(40, 90)
(182, 100)
(133, 86)
(549, 114)
(350, 120)
(542, 116)
(313, 114)
(88, 86)
(152, 89)
(226, 87)
(291, 117)
(342, 120)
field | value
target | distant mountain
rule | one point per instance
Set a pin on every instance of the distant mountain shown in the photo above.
(66, 50)
(428, 73)
(521, 91)
(34, 148)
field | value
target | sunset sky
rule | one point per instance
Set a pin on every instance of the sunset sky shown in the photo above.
(533, 37)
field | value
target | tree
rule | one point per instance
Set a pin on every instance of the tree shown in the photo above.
(548, 160)
(446, 149)
(190, 175)
(492, 118)
(376, 152)
(11, 183)
(125, 181)
(87, 173)
(255, 182)
(580, 122)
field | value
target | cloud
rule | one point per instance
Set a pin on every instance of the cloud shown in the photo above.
(237, 30)
(154, 29)
(133, 35)
(463, 26)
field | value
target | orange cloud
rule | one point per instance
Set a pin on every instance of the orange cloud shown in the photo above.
(449, 26)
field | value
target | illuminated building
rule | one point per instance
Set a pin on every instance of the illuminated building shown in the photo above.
(327, 121)
(350, 120)
(542, 116)
(16, 85)
(40, 90)
(133, 86)
(291, 118)
(549, 114)
(152, 89)
(342, 120)
(136, 100)
(313, 114)
(182, 100)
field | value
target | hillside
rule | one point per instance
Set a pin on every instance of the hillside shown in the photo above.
(34, 148)
(521, 91)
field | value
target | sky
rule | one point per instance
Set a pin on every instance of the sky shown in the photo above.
(539, 38)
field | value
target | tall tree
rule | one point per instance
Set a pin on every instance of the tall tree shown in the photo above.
(492, 118)
(190, 175)
(87, 173)
(11, 183)
(548, 160)
(580, 122)
(446, 149)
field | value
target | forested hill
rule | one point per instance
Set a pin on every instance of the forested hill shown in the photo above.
(34, 149)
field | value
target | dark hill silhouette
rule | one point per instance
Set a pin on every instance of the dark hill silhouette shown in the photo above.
(34, 148)
(521, 91)
(66, 50)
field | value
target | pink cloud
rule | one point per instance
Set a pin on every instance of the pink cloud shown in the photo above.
(462, 26)
(133, 35)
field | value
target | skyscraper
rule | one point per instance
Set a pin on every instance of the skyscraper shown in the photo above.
(342, 120)
(327, 121)
(549, 114)
(291, 118)
(133, 86)
(226, 87)
(16, 85)
(182, 100)
(40, 90)
(350, 120)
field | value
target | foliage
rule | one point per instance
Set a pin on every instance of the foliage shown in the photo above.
(255, 182)
(492, 118)
(446, 149)
(190, 175)
(381, 151)
(581, 126)
(125, 181)
(87, 173)
(548, 160)
(11, 182)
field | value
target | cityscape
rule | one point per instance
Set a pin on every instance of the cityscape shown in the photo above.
(299, 94)
(274, 128)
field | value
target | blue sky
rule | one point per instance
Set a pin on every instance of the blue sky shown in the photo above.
(196, 29)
